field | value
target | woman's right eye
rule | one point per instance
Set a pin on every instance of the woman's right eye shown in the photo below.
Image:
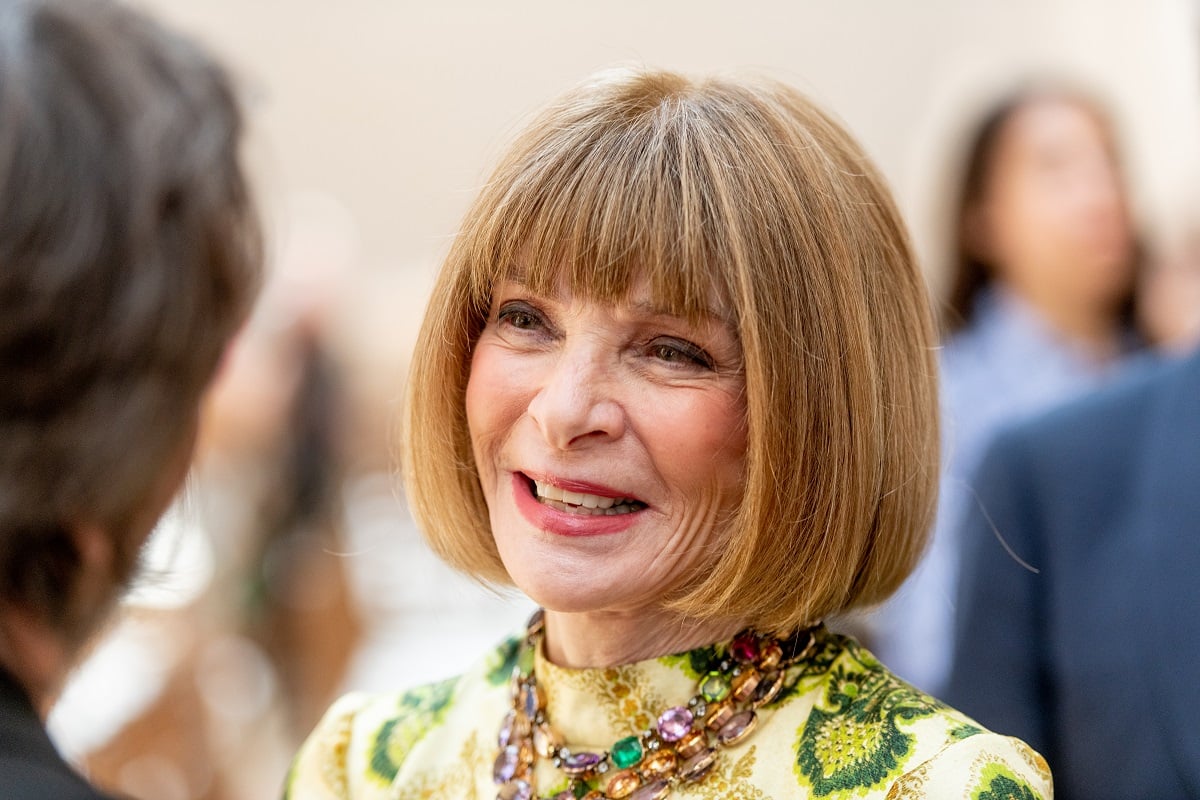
(519, 316)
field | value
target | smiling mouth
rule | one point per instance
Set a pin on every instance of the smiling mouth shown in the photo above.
(586, 505)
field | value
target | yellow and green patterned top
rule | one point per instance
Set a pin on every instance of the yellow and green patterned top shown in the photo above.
(846, 728)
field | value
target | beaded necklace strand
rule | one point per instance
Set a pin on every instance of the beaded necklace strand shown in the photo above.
(683, 747)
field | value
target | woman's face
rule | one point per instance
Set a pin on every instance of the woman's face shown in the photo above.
(1054, 221)
(610, 442)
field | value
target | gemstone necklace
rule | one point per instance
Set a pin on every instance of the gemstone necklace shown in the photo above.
(682, 748)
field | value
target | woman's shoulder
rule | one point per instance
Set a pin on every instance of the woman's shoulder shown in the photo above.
(361, 743)
(866, 731)
(985, 766)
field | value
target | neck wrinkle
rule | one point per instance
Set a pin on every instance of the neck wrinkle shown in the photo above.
(585, 641)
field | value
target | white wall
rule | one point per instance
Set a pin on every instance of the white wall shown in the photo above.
(375, 120)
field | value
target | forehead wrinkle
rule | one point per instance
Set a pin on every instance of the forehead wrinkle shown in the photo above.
(703, 315)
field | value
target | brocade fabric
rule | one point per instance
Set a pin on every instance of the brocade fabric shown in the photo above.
(844, 728)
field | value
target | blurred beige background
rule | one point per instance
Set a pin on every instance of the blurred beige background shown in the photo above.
(375, 120)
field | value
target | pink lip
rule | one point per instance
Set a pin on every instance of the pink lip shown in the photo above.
(563, 523)
(581, 486)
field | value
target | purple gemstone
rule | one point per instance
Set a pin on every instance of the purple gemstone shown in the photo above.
(531, 702)
(515, 790)
(506, 764)
(736, 728)
(674, 724)
(652, 791)
(579, 763)
(698, 766)
(506, 729)
(766, 690)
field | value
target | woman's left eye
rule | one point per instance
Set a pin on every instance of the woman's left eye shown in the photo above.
(677, 352)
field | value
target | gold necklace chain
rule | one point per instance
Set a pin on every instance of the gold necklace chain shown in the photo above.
(684, 745)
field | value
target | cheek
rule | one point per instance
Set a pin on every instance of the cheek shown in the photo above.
(730, 448)
(1023, 230)
(1018, 209)
(480, 389)
(1043, 207)
(705, 440)
(493, 402)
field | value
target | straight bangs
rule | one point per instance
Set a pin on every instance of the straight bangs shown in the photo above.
(600, 207)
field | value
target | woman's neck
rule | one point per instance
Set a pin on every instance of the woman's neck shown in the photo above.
(1094, 330)
(1096, 334)
(608, 639)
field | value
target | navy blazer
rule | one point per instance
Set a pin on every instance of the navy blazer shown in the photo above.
(30, 767)
(1078, 625)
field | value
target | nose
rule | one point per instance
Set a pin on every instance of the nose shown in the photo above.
(1101, 206)
(1098, 183)
(576, 403)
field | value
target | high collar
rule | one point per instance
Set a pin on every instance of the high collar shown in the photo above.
(22, 733)
(27, 751)
(594, 707)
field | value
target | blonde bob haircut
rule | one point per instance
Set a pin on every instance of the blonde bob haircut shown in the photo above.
(745, 192)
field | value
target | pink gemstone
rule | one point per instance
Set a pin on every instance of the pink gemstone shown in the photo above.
(744, 647)
(506, 764)
(652, 791)
(565, 794)
(674, 724)
(737, 726)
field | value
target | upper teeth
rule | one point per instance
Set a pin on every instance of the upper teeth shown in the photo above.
(549, 492)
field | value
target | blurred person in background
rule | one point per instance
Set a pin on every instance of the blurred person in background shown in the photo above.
(269, 494)
(1169, 298)
(676, 384)
(299, 607)
(1041, 310)
(250, 611)
(129, 256)
(1078, 626)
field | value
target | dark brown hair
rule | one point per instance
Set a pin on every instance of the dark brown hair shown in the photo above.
(129, 255)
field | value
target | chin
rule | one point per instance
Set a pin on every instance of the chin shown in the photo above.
(567, 594)
(581, 590)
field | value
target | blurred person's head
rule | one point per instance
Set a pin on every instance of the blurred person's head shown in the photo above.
(1042, 212)
(129, 255)
(1169, 294)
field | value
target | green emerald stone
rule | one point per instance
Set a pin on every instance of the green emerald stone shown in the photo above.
(715, 687)
(626, 752)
